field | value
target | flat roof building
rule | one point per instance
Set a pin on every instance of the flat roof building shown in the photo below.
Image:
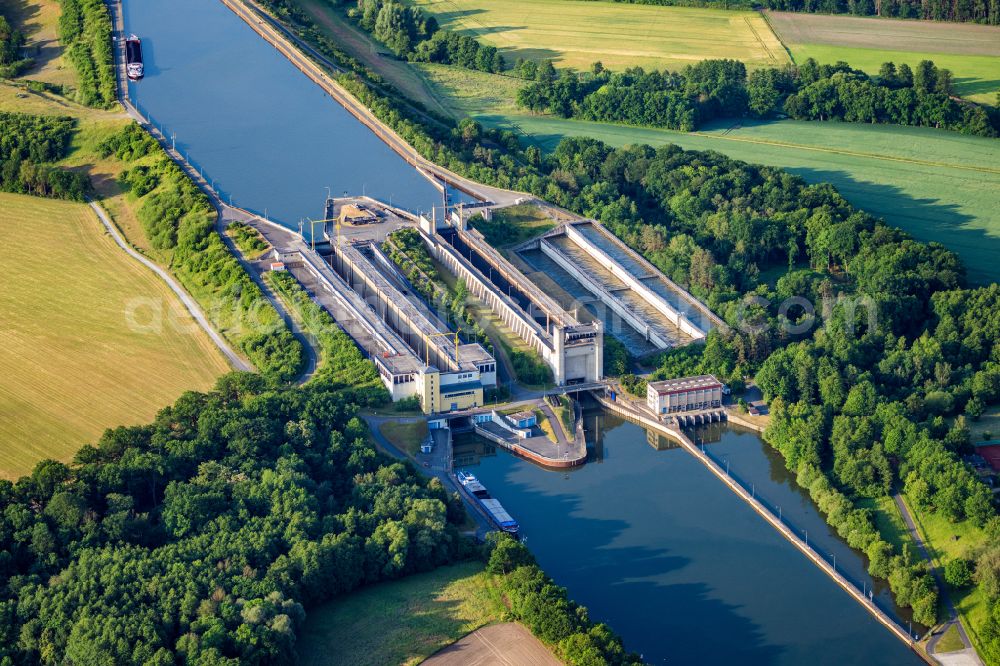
(684, 395)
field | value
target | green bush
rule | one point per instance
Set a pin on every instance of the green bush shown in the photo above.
(178, 217)
(545, 608)
(958, 572)
(85, 32)
(28, 144)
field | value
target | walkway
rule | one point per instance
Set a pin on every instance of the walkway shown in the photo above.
(968, 656)
(189, 303)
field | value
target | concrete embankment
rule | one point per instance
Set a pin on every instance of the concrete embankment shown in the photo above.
(679, 436)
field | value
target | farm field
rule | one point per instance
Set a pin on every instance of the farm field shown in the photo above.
(69, 364)
(576, 33)
(939, 186)
(465, 92)
(399, 622)
(971, 52)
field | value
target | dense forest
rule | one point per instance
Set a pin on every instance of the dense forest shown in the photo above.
(85, 33)
(12, 59)
(179, 220)
(28, 146)
(881, 411)
(203, 535)
(711, 89)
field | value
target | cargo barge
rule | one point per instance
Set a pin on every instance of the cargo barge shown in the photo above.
(498, 515)
(133, 58)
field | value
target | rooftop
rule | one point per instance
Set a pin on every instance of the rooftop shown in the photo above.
(685, 384)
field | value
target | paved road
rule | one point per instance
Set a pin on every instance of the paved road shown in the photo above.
(967, 656)
(439, 471)
(189, 303)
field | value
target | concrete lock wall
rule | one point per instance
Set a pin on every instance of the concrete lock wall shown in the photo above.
(512, 316)
(654, 299)
(616, 305)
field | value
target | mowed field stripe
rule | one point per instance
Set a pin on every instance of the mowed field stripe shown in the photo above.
(70, 364)
(573, 33)
(850, 153)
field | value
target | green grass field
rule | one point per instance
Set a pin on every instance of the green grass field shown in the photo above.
(977, 77)
(465, 92)
(950, 642)
(987, 427)
(946, 541)
(889, 522)
(401, 622)
(939, 186)
(70, 366)
(575, 33)
(405, 436)
(971, 52)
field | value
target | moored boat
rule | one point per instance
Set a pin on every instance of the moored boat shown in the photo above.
(133, 58)
(478, 493)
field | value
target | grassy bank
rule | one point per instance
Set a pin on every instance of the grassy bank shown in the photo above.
(71, 364)
(402, 622)
(946, 541)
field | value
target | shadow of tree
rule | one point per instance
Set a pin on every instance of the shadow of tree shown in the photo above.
(975, 86)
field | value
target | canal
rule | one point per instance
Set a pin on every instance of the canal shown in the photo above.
(645, 537)
(654, 544)
(269, 138)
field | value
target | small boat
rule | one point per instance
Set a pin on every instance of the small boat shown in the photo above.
(133, 58)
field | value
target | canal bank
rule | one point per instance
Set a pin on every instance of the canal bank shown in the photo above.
(680, 567)
(264, 136)
(776, 521)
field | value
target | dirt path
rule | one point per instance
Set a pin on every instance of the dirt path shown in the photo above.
(507, 644)
(967, 656)
(189, 303)
(361, 47)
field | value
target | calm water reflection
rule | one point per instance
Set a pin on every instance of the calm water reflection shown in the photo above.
(676, 563)
(267, 135)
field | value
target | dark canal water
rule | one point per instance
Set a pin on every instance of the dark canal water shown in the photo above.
(266, 134)
(684, 570)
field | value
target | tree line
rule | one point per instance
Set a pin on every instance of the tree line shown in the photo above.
(535, 600)
(85, 33)
(722, 89)
(972, 11)
(28, 147)
(12, 57)
(415, 35)
(179, 220)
